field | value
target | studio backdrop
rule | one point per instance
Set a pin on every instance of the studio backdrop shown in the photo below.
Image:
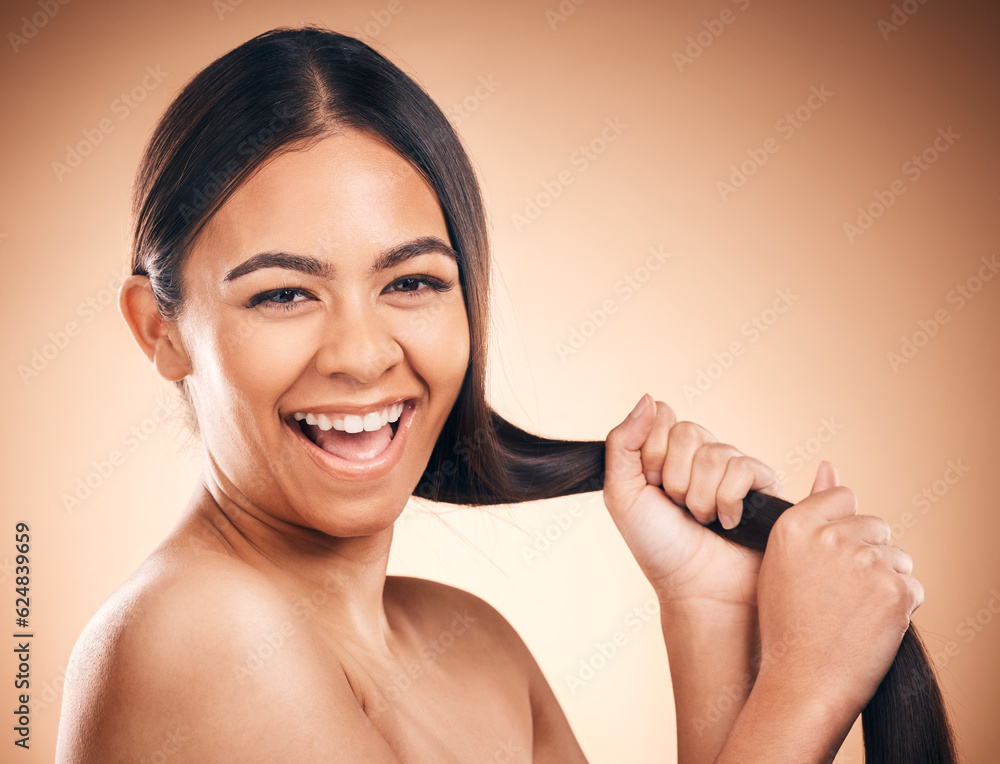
(779, 217)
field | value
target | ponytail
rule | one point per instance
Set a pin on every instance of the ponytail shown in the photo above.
(904, 722)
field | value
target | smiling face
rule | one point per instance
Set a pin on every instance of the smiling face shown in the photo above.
(321, 299)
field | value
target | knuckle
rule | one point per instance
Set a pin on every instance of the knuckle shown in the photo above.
(787, 528)
(747, 467)
(685, 433)
(613, 436)
(867, 558)
(892, 590)
(882, 529)
(905, 560)
(713, 455)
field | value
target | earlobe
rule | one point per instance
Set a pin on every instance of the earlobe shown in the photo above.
(157, 337)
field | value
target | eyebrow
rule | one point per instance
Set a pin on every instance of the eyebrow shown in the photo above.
(311, 265)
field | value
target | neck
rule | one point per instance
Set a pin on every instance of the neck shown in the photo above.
(338, 581)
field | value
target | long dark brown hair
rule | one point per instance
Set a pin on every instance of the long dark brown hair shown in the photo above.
(287, 87)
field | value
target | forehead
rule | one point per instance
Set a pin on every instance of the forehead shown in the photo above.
(347, 193)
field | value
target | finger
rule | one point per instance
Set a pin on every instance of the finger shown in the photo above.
(708, 468)
(743, 474)
(623, 478)
(826, 506)
(654, 450)
(826, 477)
(684, 441)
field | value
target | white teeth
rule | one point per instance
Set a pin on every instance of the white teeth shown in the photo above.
(353, 423)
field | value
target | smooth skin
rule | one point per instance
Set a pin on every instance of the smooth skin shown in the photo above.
(264, 627)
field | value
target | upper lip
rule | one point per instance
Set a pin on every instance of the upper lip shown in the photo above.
(353, 408)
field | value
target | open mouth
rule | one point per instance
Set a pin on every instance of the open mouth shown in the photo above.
(355, 438)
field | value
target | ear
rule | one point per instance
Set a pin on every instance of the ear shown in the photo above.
(158, 337)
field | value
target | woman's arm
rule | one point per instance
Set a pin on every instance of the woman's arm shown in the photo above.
(712, 650)
(833, 596)
(833, 575)
(665, 480)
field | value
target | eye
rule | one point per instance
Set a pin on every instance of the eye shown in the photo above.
(412, 285)
(283, 298)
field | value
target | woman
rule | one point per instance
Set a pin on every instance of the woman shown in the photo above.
(310, 267)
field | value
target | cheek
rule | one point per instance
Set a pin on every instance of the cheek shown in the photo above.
(438, 348)
(245, 359)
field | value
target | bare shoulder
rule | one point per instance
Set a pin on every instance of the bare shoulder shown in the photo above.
(441, 612)
(458, 624)
(198, 656)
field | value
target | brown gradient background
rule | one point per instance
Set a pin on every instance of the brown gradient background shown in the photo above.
(62, 241)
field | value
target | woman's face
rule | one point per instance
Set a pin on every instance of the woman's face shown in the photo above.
(321, 299)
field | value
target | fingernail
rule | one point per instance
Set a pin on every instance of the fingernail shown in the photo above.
(726, 521)
(654, 478)
(640, 406)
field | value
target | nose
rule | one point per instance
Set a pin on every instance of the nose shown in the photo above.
(358, 344)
